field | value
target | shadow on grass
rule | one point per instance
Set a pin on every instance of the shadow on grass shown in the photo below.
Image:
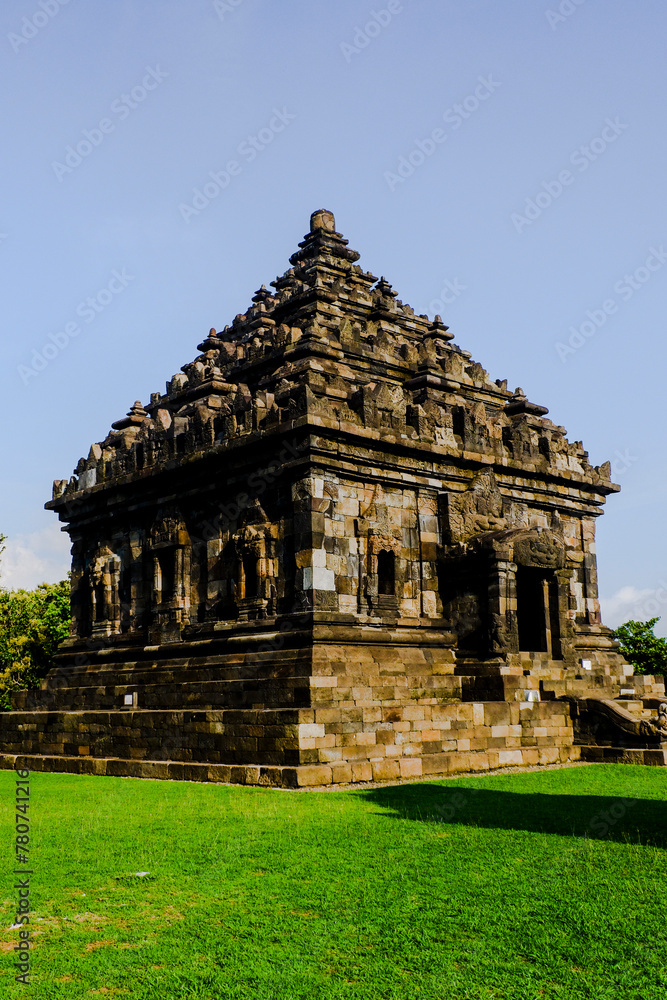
(633, 820)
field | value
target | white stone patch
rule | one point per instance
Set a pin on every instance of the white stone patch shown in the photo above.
(318, 578)
(526, 695)
(429, 604)
(310, 731)
(87, 479)
(319, 557)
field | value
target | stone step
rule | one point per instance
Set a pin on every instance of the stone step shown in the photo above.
(652, 702)
(227, 736)
(590, 686)
(647, 686)
(194, 690)
(288, 775)
(170, 672)
(491, 668)
(634, 707)
(211, 694)
(195, 670)
(624, 755)
(168, 770)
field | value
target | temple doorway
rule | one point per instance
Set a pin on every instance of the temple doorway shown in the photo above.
(537, 611)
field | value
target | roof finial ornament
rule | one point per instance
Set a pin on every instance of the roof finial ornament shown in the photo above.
(322, 219)
(322, 242)
(210, 342)
(262, 295)
(135, 415)
(438, 331)
(519, 403)
(385, 289)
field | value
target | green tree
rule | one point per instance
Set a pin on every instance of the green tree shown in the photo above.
(32, 625)
(646, 651)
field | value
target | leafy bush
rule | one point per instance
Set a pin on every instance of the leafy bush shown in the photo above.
(32, 625)
(646, 651)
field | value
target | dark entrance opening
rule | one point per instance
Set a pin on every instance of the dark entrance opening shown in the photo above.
(100, 602)
(553, 616)
(531, 611)
(386, 574)
(167, 563)
(249, 564)
(125, 596)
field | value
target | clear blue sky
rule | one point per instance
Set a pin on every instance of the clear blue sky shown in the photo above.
(540, 200)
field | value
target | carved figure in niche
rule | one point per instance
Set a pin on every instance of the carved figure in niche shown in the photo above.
(380, 531)
(169, 550)
(168, 530)
(499, 634)
(104, 580)
(254, 583)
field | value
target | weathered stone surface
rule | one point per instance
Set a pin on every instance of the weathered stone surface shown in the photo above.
(332, 550)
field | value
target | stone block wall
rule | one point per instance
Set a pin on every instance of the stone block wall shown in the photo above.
(303, 747)
(350, 524)
(379, 711)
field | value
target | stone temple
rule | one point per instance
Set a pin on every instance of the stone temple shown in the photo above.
(333, 550)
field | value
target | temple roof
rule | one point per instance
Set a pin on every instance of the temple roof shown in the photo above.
(335, 342)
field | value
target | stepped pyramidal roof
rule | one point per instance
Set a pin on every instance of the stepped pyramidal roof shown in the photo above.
(332, 343)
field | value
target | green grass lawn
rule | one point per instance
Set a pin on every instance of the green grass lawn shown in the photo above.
(546, 884)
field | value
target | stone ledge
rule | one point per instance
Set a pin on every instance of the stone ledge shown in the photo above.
(118, 767)
(298, 776)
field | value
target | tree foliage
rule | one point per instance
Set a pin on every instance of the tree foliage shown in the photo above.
(32, 625)
(646, 651)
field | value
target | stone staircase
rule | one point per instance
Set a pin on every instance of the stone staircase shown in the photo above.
(639, 700)
(607, 705)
